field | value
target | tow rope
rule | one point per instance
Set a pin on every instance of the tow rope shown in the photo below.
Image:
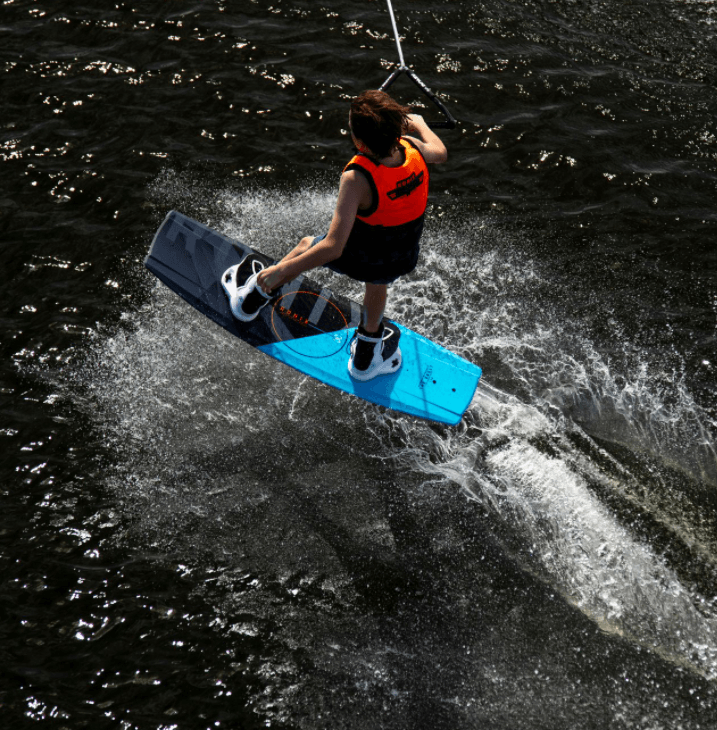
(449, 121)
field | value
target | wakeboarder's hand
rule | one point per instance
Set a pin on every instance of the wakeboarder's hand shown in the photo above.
(429, 143)
(270, 278)
(415, 123)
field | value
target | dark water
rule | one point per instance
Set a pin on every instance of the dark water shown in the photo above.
(192, 536)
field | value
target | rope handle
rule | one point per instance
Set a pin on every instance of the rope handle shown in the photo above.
(449, 121)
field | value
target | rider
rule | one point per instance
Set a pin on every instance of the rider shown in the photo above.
(376, 226)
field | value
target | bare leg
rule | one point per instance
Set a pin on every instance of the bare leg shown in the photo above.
(374, 302)
(304, 245)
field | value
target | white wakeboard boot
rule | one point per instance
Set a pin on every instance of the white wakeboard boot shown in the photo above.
(374, 355)
(247, 300)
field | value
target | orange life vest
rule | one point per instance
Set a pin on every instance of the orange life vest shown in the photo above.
(384, 240)
(400, 194)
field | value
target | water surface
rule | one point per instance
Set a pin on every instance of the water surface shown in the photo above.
(194, 536)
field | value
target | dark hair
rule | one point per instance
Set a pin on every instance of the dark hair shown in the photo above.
(378, 121)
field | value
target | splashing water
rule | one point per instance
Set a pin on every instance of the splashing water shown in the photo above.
(562, 464)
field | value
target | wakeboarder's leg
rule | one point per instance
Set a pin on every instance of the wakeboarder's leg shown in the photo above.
(304, 245)
(374, 303)
(255, 291)
(374, 351)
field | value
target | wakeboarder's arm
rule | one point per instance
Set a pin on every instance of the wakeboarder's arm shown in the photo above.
(353, 191)
(428, 142)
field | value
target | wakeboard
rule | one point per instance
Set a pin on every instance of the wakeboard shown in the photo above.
(307, 326)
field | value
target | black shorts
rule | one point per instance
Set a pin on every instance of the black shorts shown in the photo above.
(382, 266)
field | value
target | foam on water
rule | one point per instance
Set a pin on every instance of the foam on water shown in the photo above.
(592, 558)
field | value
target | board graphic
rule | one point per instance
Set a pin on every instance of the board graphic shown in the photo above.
(307, 326)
